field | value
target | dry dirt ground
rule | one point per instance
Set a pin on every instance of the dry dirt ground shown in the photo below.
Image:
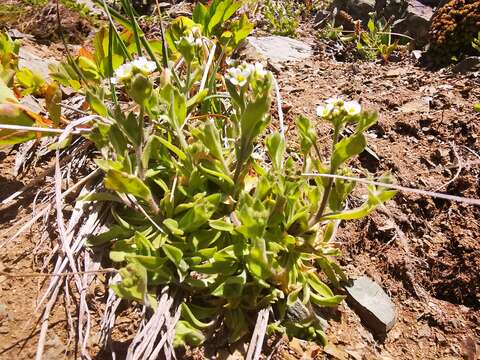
(424, 252)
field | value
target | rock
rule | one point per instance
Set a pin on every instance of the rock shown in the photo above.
(420, 105)
(34, 62)
(372, 304)
(16, 34)
(417, 22)
(32, 104)
(357, 9)
(278, 49)
(298, 313)
(469, 64)
(411, 17)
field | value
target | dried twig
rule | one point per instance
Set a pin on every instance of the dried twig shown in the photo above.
(461, 199)
(256, 343)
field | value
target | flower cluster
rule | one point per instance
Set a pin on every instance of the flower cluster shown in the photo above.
(337, 106)
(192, 36)
(140, 65)
(240, 74)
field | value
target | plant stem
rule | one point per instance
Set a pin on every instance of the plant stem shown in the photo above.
(329, 186)
(139, 148)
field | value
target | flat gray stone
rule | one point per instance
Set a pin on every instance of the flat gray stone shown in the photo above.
(372, 304)
(279, 49)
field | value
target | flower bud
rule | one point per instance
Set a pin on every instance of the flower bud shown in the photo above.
(140, 89)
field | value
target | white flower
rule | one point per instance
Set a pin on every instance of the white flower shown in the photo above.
(352, 107)
(114, 80)
(259, 70)
(144, 66)
(324, 111)
(237, 76)
(335, 101)
(123, 72)
(246, 68)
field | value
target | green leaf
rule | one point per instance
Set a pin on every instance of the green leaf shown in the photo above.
(222, 225)
(115, 232)
(181, 155)
(178, 108)
(197, 98)
(88, 68)
(188, 315)
(347, 148)
(199, 14)
(126, 183)
(121, 249)
(231, 287)
(319, 286)
(96, 104)
(172, 226)
(173, 253)
(307, 134)
(236, 324)
(326, 301)
(257, 261)
(134, 283)
(276, 149)
(186, 334)
(151, 263)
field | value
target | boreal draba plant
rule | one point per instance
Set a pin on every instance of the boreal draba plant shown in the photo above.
(209, 205)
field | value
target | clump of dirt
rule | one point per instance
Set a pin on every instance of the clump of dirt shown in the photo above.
(42, 21)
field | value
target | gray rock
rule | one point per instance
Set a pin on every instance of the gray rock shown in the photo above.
(469, 64)
(411, 17)
(34, 62)
(417, 22)
(278, 49)
(298, 313)
(372, 304)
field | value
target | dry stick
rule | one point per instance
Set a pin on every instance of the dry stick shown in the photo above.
(47, 208)
(108, 318)
(40, 129)
(66, 239)
(211, 56)
(43, 331)
(256, 343)
(62, 274)
(471, 201)
(279, 108)
(34, 182)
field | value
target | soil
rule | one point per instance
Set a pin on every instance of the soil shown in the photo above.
(423, 251)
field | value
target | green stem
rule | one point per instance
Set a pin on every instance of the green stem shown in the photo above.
(329, 186)
(187, 82)
(128, 8)
(139, 148)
